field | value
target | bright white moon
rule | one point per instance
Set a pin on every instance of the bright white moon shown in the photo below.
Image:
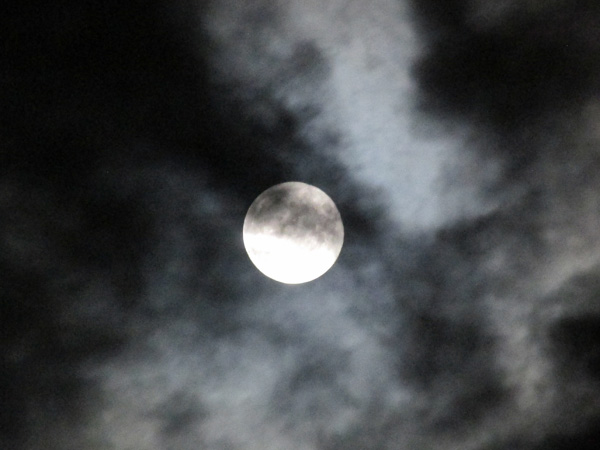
(293, 232)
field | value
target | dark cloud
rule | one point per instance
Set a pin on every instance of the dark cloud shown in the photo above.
(524, 68)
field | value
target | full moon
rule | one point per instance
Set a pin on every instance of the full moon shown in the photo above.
(293, 232)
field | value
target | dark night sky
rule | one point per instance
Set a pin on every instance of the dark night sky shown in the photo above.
(459, 140)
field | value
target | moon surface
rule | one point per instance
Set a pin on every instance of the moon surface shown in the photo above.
(293, 232)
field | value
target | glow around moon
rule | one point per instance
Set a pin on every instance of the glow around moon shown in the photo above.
(293, 232)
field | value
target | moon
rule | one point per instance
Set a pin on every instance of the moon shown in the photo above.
(293, 232)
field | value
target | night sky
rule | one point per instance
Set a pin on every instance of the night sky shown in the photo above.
(460, 140)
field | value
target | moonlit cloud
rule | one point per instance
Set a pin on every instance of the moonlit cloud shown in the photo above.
(368, 97)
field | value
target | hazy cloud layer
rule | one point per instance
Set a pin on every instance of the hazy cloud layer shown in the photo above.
(459, 141)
